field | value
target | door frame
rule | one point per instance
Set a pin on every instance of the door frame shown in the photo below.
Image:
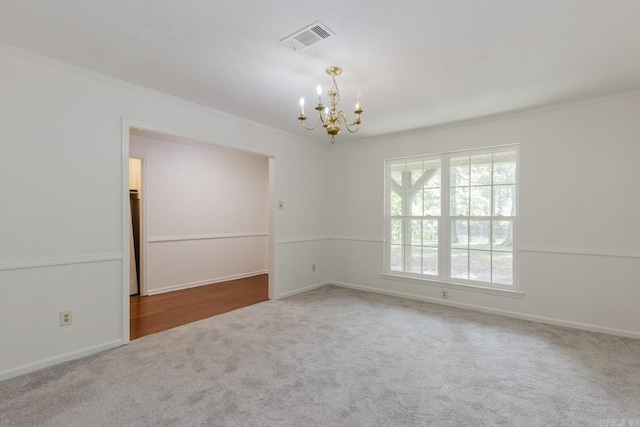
(127, 126)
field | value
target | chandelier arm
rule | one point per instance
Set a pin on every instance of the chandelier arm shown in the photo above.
(348, 125)
(354, 130)
(322, 119)
(314, 126)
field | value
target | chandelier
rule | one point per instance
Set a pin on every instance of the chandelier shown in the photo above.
(329, 116)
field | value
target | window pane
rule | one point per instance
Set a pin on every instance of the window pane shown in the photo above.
(396, 175)
(396, 258)
(460, 201)
(416, 231)
(504, 167)
(416, 260)
(481, 169)
(396, 231)
(480, 266)
(502, 236)
(503, 268)
(459, 263)
(396, 204)
(460, 234)
(416, 204)
(459, 175)
(480, 201)
(480, 233)
(504, 200)
(415, 171)
(430, 261)
(430, 233)
(432, 168)
(432, 202)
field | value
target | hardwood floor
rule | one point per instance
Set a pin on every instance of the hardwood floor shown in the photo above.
(158, 313)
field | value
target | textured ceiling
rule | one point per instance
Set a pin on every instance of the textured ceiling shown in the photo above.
(417, 63)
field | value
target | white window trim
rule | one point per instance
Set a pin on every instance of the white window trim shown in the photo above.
(443, 261)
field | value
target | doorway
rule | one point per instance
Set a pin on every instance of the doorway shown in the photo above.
(174, 250)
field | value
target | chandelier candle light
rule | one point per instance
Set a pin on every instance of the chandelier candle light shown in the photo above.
(330, 117)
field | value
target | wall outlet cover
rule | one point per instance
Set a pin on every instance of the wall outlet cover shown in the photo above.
(66, 318)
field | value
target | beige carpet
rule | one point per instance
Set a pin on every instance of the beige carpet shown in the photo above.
(338, 357)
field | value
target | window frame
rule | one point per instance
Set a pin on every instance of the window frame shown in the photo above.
(444, 279)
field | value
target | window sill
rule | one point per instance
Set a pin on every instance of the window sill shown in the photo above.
(450, 285)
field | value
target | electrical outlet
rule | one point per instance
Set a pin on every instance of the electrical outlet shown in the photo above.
(444, 294)
(66, 318)
(313, 267)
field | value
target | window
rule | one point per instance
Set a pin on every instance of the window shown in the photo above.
(452, 217)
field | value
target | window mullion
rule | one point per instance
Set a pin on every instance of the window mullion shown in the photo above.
(406, 224)
(492, 212)
(444, 225)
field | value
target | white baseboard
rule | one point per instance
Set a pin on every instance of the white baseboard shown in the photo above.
(302, 290)
(45, 363)
(204, 282)
(506, 313)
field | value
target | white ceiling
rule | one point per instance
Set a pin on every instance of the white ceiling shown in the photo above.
(418, 63)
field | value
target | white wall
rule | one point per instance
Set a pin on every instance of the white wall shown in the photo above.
(579, 233)
(61, 182)
(206, 213)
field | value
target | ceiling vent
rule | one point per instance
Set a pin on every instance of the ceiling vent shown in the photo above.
(307, 37)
